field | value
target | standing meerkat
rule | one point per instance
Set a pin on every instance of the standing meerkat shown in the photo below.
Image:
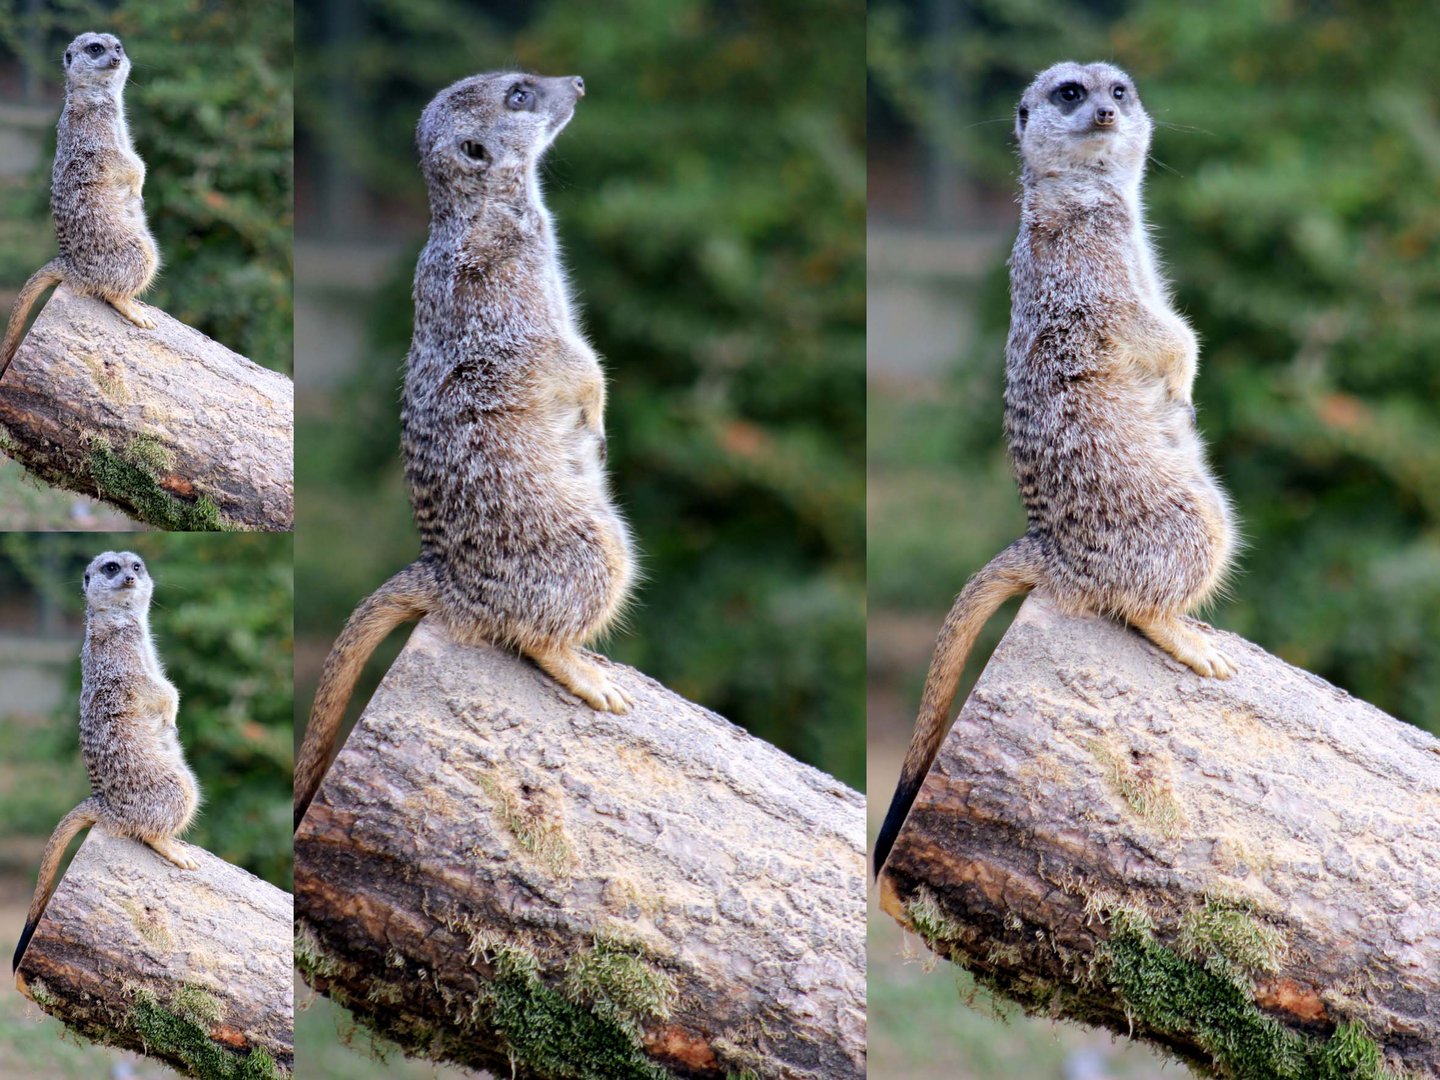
(140, 785)
(1124, 517)
(106, 249)
(504, 439)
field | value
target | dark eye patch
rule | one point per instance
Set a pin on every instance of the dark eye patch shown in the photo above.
(1067, 97)
(95, 48)
(111, 568)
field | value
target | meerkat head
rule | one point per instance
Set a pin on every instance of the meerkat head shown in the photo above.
(1082, 117)
(488, 131)
(96, 62)
(117, 581)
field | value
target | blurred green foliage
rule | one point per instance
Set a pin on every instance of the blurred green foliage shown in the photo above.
(210, 105)
(710, 194)
(1294, 191)
(222, 620)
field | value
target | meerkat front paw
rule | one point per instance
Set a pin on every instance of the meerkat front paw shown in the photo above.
(584, 679)
(175, 853)
(135, 313)
(1188, 645)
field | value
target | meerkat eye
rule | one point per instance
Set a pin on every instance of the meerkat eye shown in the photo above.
(111, 568)
(138, 566)
(95, 48)
(474, 150)
(1118, 93)
(520, 97)
(1070, 93)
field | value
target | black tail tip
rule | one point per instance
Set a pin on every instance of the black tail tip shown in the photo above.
(883, 843)
(25, 936)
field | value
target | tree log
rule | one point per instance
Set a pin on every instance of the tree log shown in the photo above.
(192, 967)
(171, 427)
(1244, 872)
(496, 875)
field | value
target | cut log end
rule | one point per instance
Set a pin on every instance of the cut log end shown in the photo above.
(165, 424)
(191, 967)
(495, 875)
(1245, 873)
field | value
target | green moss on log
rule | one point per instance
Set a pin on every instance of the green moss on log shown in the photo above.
(166, 1033)
(129, 478)
(1184, 999)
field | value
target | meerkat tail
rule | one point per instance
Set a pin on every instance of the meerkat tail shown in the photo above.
(82, 817)
(52, 273)
(405, 597)
(1015, 570)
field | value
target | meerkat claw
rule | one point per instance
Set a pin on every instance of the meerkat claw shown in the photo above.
(177, 855)
(135, 313)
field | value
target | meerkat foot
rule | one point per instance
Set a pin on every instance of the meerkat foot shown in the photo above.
(1188, 645)
(134, 312)
(584, 679)
(175, 853)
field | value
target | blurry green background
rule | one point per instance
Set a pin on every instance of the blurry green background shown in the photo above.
(710, 198)
(222, 621)
(210, 106)
(1294, 183)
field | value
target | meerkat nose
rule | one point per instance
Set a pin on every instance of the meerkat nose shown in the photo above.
(579, 85)
(1104, 116)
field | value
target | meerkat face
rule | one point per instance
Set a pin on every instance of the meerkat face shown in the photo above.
(117, 580)
(492, 126)
(1082, 116)
(98, 61)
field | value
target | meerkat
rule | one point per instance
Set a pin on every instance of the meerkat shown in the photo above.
(140, 785)
(1125, 519)
(106, 249)
(503, 419)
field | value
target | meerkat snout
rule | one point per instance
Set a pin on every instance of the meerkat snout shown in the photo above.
(1104, 116)
(579, 86)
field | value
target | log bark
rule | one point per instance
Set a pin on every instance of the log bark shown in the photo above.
(192, 967)
(171, 427)
(1244, 872)
(496, 875)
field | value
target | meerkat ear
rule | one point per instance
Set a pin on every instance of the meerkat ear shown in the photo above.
(475, 152)
(1022, 117)
(68, 57)
(87, 579)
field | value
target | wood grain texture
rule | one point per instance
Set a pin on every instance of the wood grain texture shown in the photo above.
(171, 427)
(496, 875)
(192, 967)
(1229, 869)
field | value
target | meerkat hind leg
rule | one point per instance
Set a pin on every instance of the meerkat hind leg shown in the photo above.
(134, 312)
(172, 851)
(1186, 644)
(567, 666)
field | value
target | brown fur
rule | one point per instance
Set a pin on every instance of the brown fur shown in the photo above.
(521, 545)
(106, 249)
(141, 786)
(1124, 517)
